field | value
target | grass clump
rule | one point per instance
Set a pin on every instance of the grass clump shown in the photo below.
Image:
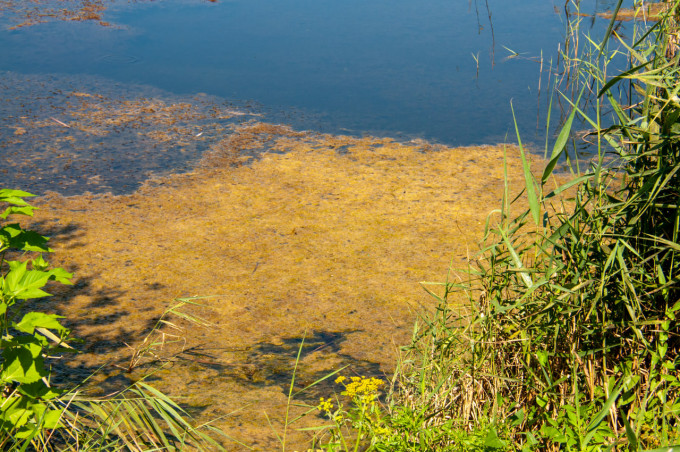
(569, 339)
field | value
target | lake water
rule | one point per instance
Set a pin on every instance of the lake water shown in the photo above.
(440, 70)
(327, 238)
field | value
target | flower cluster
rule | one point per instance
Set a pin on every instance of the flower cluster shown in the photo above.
(361, 420)
(362, 388)
(325, 405)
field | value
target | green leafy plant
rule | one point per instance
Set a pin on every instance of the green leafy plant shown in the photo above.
(34, 414)
(359, 420)
(28, 338)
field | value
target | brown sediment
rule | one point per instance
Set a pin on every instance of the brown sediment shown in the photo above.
(97, 115)
(321, 236)
(25, 13)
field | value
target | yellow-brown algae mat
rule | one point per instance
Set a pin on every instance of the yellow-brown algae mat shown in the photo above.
(326, 237)
(31, 12)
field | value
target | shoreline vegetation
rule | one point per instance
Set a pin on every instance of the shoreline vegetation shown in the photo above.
(643, 12)
(560, 334)
(569, 336)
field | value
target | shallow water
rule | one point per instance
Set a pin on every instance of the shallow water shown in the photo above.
(441, 70)
(309, 243)
(291, 234)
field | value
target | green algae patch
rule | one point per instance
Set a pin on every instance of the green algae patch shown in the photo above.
(318, 236)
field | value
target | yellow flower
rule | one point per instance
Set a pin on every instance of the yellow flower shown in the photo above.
(340, 379)
(381, 431)
(364, 388)
(325, 405)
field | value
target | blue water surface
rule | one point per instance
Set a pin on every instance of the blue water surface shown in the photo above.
(442, 70)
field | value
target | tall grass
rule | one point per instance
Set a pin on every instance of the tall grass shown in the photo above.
(569, 338)
(138, 417)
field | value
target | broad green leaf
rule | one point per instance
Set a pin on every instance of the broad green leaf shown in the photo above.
(16, 411)
(517, 418)
(6, 193)
(492, 440)
(60, 275)
(39, 263)
(39, 390)
(30, 241)
(44, 417)
(16, 237)
(23, 363)
(18, 210)
(34, 320)
(541, 401)
(11, 230)
(24, 284)
(14, 197)
(51, 419)
(542, 357)
(16, 272)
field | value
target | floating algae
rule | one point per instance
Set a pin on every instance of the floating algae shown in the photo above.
(645, 11)
(319, 236)
(75, 135)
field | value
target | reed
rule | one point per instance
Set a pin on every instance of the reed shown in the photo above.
(569, 336)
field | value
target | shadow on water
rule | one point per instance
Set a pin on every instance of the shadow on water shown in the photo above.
(264, 365)
(271, 365)
(105, 357)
